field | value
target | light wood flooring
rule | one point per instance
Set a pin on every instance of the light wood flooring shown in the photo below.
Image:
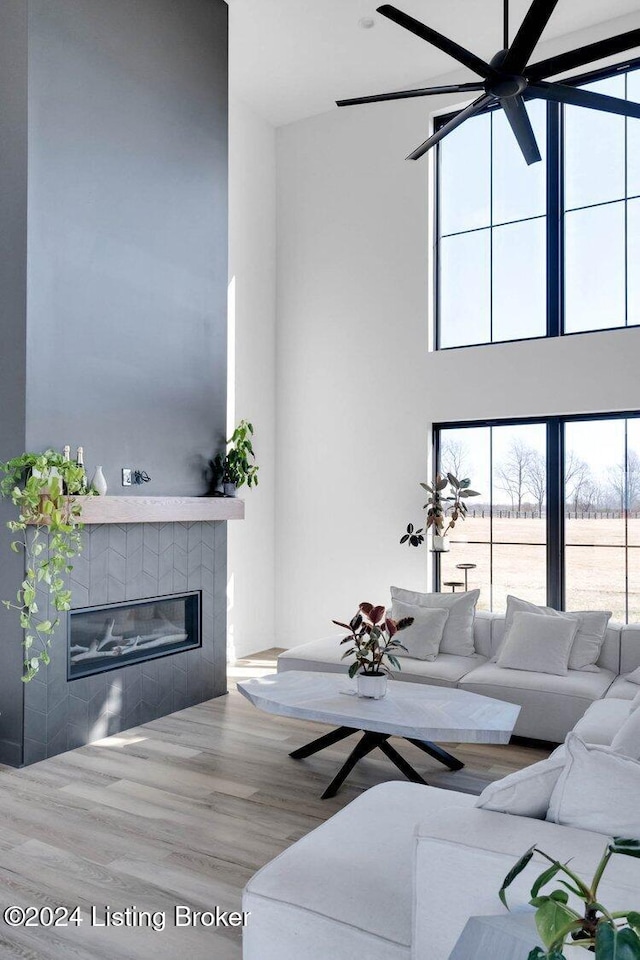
(182, 810)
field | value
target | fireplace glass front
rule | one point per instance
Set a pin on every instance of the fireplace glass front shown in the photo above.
(108, 637)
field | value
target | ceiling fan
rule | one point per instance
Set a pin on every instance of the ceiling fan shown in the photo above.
(508, 80)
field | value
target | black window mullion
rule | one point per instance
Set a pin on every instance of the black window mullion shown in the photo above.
(555, 513)
(555, 222)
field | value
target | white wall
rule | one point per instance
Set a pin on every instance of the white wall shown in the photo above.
(357, 390)
(252, 322)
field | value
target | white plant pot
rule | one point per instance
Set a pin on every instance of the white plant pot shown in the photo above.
(229, 489)
(372, 686)
(440, 544)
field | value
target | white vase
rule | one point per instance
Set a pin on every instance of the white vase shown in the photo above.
(440, 544)
(229, 489)
(98, 482)
(372, 686)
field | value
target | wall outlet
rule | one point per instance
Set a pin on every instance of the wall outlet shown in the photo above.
(126, 477)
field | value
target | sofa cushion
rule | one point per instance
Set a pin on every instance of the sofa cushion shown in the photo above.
(590, 635)
(527, 792)
(457, 638)
(622, 689)
(551, 706)
(598, 790)
(629, 648)
(422, 639)
(602, 720)
(351, 870)
(538, 643)
(627, 739)
(324, 655)
(634, 676)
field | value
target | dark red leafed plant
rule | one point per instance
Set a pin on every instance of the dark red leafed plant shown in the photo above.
(373, 637)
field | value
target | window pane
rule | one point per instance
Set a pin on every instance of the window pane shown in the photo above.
(520, 483)
(633, 261)
(465, 453)
(519, 281)
(595, 268)
(520, 570)
(633, 137)
(595, 150)
(595, 579)
(519, 191)
(594, 482)
(477, 578)
(465, 177)
(633, 560)
(633, 482)
(465, 295)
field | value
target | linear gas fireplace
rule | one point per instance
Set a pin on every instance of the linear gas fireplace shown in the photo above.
(112, 636)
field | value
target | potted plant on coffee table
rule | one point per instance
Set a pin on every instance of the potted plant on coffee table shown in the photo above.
(235, 468)
(442, 504)
(373, 638)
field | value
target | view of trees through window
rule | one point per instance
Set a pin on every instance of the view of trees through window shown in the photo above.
(506, 532)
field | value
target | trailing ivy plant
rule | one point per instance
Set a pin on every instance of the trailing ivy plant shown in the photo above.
(609, 935)
(48, 534)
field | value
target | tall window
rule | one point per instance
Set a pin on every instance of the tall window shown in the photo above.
(558, 519)
(542, 250)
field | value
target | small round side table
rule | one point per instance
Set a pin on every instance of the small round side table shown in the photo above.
(453, 584)
(466, 567)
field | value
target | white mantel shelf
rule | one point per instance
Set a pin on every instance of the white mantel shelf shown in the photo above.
(159, 509)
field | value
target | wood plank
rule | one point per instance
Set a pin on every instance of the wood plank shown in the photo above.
(98, 510)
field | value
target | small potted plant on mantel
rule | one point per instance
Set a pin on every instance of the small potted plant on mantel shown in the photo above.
(441, 502)
(607, 934)
(235, 468)
(372, 637)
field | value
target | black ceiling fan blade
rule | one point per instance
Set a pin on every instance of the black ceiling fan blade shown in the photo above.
(520, 123)
(583, 55)
(577, 97)
(527, 37)
(474, 108)
(454, 50)
(407, 94)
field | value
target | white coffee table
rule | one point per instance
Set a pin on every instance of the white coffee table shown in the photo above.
(416, 712)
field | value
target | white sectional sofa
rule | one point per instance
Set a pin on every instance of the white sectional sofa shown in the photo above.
(551, 705)
(398, 872)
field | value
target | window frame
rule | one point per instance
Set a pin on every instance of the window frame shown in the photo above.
(555, 272)
(555, 528)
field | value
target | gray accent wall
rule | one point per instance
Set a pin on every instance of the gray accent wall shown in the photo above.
(113, 251)
(128, 234)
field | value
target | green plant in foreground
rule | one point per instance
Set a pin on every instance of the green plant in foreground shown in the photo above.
(609, 935)
(373, 637)
(235, 466)
(48, 534)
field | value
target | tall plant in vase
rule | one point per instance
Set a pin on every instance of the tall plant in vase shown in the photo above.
(446, 504)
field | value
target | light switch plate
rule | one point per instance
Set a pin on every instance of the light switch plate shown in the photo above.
(126, 477)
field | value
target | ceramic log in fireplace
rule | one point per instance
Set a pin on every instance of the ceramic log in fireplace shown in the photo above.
(107, 637)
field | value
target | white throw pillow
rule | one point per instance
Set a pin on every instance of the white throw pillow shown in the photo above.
(598, 790)
(538, 643)
(422, 639)
(527, 792)
(592, 629)
(633, 677)
(627, 739)
(457, 637)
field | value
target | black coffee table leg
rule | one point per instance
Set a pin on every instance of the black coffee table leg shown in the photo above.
(403, 765)
(326, 741)
(437, 753)
(364, 746)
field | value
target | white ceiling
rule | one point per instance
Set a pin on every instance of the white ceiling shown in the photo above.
(291, 59)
